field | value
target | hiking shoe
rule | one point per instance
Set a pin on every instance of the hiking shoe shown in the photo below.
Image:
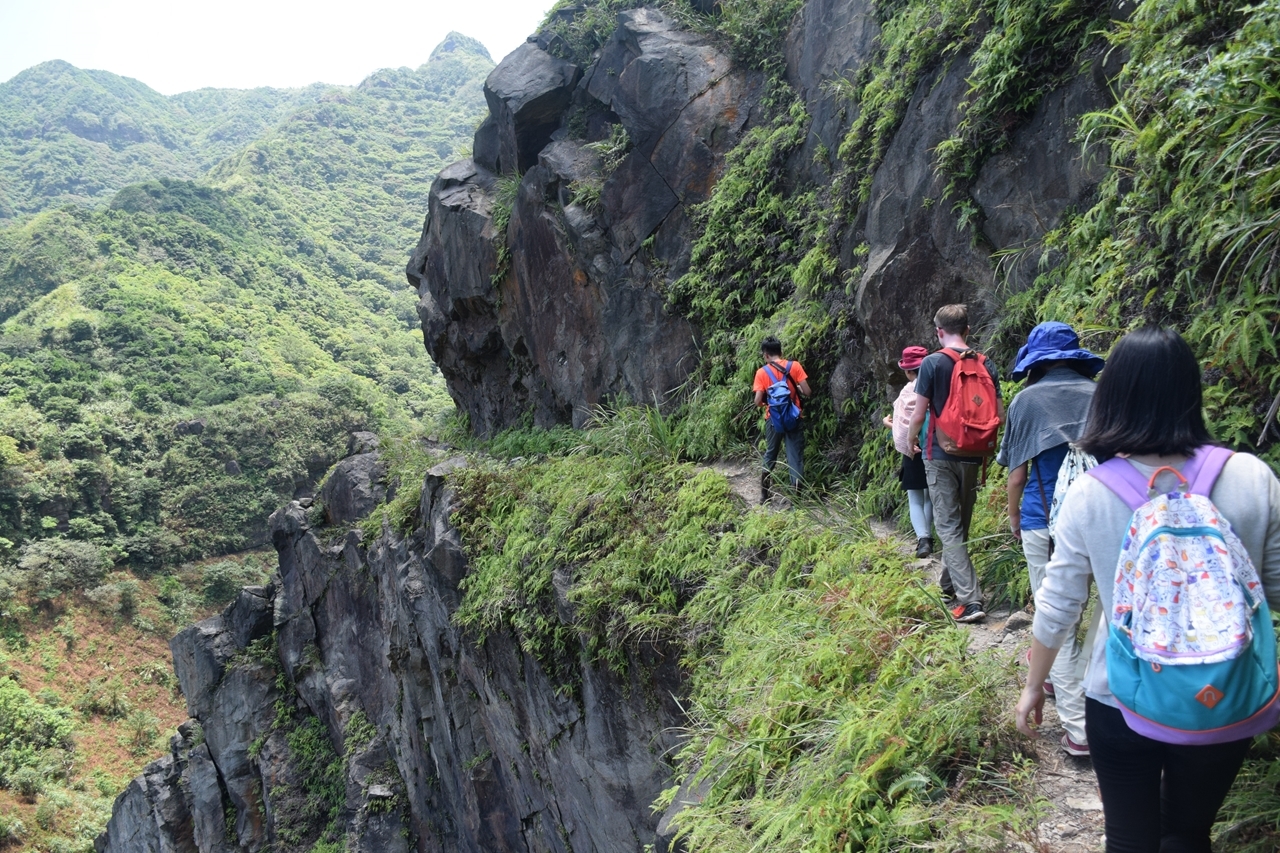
(1079, 750)
(965, 613)
(924, 547)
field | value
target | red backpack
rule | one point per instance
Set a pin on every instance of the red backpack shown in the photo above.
(969, 420)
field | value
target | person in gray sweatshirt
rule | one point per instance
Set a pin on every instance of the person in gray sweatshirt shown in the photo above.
(1044, 418)
(1156, 796)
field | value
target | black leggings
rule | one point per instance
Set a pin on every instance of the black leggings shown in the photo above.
(1157, 797)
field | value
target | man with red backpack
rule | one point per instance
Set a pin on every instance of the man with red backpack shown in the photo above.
(778, 386)
(958, 389)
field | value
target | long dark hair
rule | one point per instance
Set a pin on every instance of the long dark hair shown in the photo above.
(1148, 399)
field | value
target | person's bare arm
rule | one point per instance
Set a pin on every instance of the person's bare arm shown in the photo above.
(917, 421)
(803, 386)
(1017, 484)
(759, 398)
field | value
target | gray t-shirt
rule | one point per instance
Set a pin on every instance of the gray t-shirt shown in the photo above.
(1045, 415)
(934, 382)
(1091, 529)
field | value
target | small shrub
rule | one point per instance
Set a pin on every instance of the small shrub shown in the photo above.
(46, 813)
(224, 579)
(105, 698)
(11, 831)
(28, 782)
(141, 729)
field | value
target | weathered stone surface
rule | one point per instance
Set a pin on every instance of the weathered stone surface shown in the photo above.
(353, 489)
(363, 442)
(1025, 190)
(920, 258)
(527, 93)
(829, 40)
(151, 816)
(476, 748)
(577, 316)
(200, 654)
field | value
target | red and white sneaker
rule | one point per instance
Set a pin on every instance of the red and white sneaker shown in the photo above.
(1079, 750)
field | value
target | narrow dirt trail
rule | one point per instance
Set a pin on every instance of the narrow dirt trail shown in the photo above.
(1073, 821)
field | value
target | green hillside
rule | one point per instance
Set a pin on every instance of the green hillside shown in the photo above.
(201, 296)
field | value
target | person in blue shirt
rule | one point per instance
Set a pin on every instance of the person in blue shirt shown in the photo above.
(1044, 418)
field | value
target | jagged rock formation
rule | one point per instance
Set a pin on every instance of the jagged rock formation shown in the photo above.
(443, 744)
(564, 309)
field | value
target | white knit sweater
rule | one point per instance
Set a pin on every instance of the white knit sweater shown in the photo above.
(1091, 530)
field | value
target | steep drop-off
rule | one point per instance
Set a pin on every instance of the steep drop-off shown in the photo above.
(350, 666)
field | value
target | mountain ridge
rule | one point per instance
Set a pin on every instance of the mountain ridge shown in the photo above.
(116, 130)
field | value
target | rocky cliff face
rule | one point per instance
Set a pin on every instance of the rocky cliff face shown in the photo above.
(564, 308)
(341, 701)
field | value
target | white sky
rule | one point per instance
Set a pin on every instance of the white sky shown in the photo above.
(178, 45)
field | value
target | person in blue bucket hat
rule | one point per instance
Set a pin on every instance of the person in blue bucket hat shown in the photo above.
(1051, 342)
(1044, 419)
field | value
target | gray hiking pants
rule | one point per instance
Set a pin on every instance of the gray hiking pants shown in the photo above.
(1067, 674)
(953, 490)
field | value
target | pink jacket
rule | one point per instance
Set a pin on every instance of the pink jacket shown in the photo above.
(903, 408)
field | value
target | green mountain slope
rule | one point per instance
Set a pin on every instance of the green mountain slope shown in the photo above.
(74, 135)
(200, 298)
(176, 364)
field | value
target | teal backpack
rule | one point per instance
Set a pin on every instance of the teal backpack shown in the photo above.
(1191, 655)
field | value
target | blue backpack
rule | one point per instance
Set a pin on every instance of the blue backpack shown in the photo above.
(1191, 654)
(784, 414)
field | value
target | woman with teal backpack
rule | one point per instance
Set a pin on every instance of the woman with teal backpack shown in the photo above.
(1181, 538)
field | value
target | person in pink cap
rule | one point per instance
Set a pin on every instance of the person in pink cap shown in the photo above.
(911, 474)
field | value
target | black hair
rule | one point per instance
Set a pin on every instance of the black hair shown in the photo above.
(771, 346)
(1148, 399)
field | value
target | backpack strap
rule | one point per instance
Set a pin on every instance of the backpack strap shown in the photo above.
(786, 374)
(928, 448)
(1204, 466)
(1201, 472)
(1123, 479)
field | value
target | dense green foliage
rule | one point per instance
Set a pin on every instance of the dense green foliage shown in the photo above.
(1186, 229)
(31, 734)
(73, 135)
(832, 702)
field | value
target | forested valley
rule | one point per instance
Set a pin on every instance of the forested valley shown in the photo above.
(201, 298)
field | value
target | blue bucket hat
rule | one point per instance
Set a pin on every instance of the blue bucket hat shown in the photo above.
(1054, 341)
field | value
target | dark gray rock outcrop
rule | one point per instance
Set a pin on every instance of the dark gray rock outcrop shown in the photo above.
(445, 745)
(564, 310)
(527, 93)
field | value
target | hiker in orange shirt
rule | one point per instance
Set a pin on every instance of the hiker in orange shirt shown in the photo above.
(778, 386)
